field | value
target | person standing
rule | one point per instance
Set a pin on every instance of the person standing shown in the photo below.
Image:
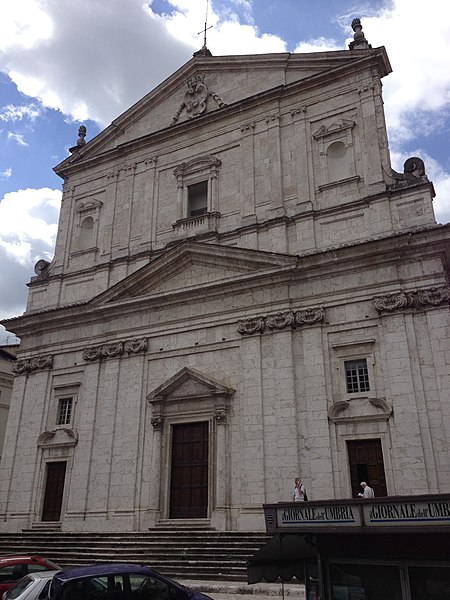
(367, 491)
(299, 491)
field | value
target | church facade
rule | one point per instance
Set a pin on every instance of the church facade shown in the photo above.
(243, 292)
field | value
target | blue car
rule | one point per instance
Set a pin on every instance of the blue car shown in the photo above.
(118, 582)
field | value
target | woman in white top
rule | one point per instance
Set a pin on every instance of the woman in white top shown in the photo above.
(299, 491)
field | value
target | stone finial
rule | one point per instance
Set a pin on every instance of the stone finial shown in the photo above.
(80, 141)
(359, 40)
(81, 135)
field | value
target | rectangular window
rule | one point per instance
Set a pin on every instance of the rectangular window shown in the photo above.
(197, 199)
(357, 376)
(64, 411)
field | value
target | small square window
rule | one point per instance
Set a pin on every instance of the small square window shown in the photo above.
(65, 406)
(197, 199)
(357, 376)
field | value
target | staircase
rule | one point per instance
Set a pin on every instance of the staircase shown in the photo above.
(180, 553)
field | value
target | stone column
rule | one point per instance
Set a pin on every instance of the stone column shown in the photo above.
(248, 174)
(220, 512)
(155, 469)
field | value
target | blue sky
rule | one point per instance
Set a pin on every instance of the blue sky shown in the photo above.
(63, 64)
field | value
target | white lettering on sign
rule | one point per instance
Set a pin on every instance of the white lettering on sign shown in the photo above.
(413, 513)
(318, 515)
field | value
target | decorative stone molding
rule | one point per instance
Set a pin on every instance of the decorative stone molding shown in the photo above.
(298, 110)
(129, 167)
(274, 117)
(157, 422)
(111, 350)
(248, 126)
(221, 416)
(280, 320)
(308, 316)
(251, 326)
(135, 346)
(360, 409)
(62, 437)
(413, 174)
(29, 365)
(341, 129)
(114, 349)
(415, 299)
(196, 98)
(89, 206)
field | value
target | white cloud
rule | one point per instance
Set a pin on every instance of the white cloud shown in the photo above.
(17, 137)
(417, 39)
(18, 113)
(28, 227)
(320, 44)
(23, 234)
(60, 61)
(6, 174)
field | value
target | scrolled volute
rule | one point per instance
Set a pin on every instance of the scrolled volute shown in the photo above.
(309, 316)
(250, 326)
(280, 320)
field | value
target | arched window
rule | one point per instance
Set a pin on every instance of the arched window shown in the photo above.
(337, 161)
(86, 233)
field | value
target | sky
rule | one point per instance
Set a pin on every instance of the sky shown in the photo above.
(66, 63)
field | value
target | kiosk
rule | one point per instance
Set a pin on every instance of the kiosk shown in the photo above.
(393, 548)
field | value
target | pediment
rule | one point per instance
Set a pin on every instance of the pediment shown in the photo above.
(193, 266)
(360, 409)
(207, 84)
(187, 384)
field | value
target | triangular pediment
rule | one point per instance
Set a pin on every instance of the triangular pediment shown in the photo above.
(194, 266)
(189, 383)
(207, 84)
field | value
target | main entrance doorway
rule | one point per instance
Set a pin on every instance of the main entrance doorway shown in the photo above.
(54, 488)
(189, 472)
(366, 464)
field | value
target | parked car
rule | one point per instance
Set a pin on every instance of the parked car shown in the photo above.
(118, 582)
(34, 586)
(13, 568)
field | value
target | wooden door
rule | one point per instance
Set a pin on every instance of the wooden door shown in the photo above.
(366, 464)
(189, 472)
(54, 489)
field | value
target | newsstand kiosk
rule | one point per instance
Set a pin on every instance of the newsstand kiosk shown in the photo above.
(394, 548)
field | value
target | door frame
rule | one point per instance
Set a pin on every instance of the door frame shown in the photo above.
(355, 484)
(44, 487)
(207, 424)
(190, 397)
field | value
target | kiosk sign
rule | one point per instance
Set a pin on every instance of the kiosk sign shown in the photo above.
(330, 515)
(432, 512)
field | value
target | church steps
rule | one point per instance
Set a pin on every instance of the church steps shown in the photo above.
(182, 553)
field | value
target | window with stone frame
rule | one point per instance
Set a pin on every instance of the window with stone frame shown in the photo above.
(197, 182)
(86, 221)
(65, 409)
(64, 403)
(357, 376)
(197, 200)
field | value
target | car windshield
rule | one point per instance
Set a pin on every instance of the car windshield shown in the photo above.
(54, 566)
(19, 588)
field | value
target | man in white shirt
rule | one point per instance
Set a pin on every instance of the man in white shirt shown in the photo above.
(367, 491)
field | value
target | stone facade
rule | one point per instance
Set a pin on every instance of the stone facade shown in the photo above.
(7, 359)
(229, 249)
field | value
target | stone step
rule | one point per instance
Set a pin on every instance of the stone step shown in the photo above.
(178, 552)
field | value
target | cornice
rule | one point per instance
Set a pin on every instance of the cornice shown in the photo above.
(316, 263)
